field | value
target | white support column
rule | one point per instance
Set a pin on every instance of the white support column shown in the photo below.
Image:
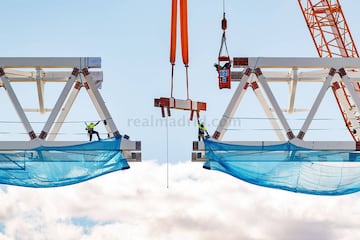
(316, 104)
(54, 113)
(274, 103)
(292, 89)
(40, 88)
(269, 114)
(233, 105)
(55, 130)
(17, 106)
(99, 103)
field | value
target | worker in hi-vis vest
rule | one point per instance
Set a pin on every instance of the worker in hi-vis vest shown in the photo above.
(202, 131)
(91, 131)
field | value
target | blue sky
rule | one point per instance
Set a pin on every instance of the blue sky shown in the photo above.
(132, 38)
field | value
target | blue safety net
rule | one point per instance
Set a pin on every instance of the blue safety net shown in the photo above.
(288, 167)
(59, 166)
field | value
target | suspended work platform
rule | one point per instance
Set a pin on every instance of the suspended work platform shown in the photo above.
(326, 167)
(41, 160)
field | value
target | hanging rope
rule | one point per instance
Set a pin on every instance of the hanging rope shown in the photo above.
(223, 42)
(167, 153)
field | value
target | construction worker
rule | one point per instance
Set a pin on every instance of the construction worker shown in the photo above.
(226, 66)
(202, 131)
(91, 131)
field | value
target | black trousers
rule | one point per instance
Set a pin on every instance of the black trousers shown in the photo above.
(201, 134)
(91, 132)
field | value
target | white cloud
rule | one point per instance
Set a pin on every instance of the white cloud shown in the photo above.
(199, 204)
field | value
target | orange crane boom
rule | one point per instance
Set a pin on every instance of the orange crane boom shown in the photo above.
(328, 28)
(331, 35)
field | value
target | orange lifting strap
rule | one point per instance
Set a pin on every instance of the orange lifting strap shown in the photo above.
(188, 104)
(224, 63)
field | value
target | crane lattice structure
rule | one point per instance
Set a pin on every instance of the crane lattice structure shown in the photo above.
(328, 28)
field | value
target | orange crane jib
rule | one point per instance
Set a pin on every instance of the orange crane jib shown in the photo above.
(328, 28)
(332, 38)
(193, 106)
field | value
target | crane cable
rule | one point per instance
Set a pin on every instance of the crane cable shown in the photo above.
(184, 41)
(223, 38)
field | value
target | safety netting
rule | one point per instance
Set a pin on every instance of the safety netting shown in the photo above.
(288, 167)
(61, 165)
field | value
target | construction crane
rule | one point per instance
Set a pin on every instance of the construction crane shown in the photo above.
(328, 28)
(332, 38)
